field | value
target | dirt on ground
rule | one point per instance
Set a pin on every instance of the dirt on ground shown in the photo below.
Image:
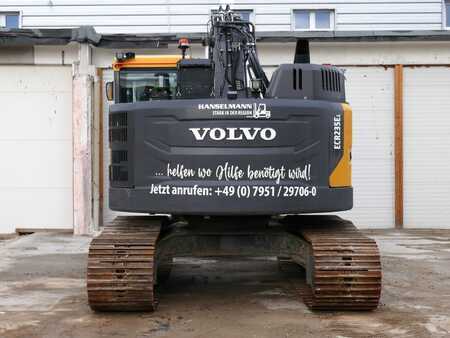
(42, 294)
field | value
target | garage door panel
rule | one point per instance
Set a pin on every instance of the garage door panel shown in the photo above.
(36, 164)
(42, 79)
(24, 208)
(426, 147)
(36, 147)
(370, 93)
(36, 115)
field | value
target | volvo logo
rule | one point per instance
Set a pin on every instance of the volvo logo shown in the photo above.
(233, 134)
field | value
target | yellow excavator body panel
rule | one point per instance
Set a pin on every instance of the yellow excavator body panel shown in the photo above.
(342, 174)
(148, 61)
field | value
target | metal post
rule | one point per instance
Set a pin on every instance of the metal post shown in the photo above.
(398, 94)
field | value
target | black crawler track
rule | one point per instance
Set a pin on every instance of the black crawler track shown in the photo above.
(342, 265)
(345, 267)
(121, 266)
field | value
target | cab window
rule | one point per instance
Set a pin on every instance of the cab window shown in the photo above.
(137, 85)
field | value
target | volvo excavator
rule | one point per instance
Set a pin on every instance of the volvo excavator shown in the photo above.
(225, 162)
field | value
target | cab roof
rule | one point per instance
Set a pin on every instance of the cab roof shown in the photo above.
(148, 61)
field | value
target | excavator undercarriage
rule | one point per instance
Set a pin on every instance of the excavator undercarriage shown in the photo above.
(133, 255)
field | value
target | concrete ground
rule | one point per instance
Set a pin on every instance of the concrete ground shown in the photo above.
(42, 294)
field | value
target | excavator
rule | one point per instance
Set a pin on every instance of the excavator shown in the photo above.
(223, 162)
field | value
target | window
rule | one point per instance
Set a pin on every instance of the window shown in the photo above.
(447, 13)
(9, 20)
(246, 15)
(322, 19)
(146, 85)
(302, 20)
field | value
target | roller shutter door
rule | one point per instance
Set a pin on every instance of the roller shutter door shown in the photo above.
(36, 147)
(426, 147)
(370, 92)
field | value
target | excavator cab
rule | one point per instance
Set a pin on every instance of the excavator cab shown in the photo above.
(139, 78)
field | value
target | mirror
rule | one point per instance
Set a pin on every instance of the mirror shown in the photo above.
(109, 91)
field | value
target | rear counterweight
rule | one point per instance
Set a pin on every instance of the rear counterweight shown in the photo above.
(222, 157)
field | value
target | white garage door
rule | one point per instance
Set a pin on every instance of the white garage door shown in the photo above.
(370, 92)
(427, 147)
(36, 147)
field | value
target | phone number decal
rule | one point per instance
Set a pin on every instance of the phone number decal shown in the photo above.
(239, 191)
(247, 191)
